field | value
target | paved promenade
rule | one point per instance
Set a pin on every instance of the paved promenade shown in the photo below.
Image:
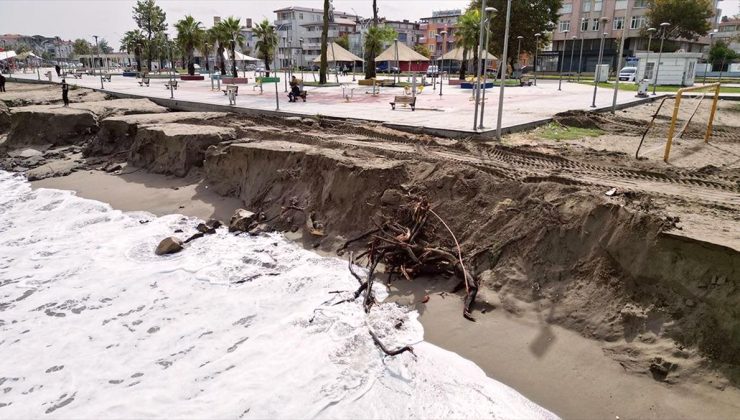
(451, 111)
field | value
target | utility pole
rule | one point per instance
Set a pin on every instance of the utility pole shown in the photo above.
(503, 75)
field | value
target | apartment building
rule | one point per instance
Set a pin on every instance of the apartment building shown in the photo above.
(299, 33)
(728, 31)
(582, 19)
(432, 28)
(408, 32)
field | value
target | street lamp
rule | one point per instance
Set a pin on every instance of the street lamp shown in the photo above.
(300, 41)
(650, 32)
(536, 50)
(503, 75)
(597, 73)
(208, 63)
(580, 60)
(94, 64)
(489, 12)
(664, 28)
(444, 51)
(711, 66)
(481, 37)
(398, 64)
(619, 62)
(518, 50)
(572, 50)
(560, 57)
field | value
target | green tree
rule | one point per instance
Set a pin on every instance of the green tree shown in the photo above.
(104, 47)
(423, 50)
(232, 31)
(150, 18)
(722, 53)
(527, 18)
(372, 47)
(267, 40)
(190, 34)
(375, 39)
(689, 19)
(324, 43)
(133, 42)
(218, 38)
(81, 47)
(343, 41)
(467, 37)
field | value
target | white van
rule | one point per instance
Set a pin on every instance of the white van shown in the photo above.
(432, 71)
(628, 74)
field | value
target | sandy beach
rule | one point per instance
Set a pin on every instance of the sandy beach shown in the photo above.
(554, 367)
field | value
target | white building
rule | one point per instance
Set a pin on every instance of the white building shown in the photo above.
(677, 68)
(299, 33)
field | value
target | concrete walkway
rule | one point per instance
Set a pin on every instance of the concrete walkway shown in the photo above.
(453, 111)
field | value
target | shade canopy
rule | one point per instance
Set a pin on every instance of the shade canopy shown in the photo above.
(4, 55)
(457, 55)
(405, 53)
(342, 54)
(239, 56)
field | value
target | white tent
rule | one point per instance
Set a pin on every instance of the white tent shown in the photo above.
(342, 54)
(405, 53)
(4, 55)
(239, 56)
(457, 55)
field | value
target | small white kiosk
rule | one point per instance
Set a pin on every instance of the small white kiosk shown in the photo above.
(678, 68)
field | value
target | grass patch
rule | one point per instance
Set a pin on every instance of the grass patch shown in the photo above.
(555, 131)
(632, 87)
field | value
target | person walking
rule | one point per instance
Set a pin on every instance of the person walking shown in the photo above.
(65, 92)
(2, 83)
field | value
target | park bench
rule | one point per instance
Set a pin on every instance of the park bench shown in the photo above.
(235, 88)
(404, 100)
(107, 77)
(144, 81)
(77, 75)
(525, 79)
(172, 84)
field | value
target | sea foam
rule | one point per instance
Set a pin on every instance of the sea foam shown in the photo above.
(94, 325)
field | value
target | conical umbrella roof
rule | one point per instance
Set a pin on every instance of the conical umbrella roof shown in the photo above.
(342, 54)
(457, 55)
(239, 56)
(404, 54)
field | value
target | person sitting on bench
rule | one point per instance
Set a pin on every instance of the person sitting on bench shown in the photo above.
(295, 90)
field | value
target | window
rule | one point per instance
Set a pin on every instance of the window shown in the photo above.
(728, 28)
(595, 24)
(641, 4)
(649, 70)
(621, 5)
(432, 34)
(597, 5)
(587, 6)
(432, 48)
(584, 25)
(567, 8)
(638, 22)
(564, 25)
(618, 22)
(300, 16)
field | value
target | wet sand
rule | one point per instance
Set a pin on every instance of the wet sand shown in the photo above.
(556, 368)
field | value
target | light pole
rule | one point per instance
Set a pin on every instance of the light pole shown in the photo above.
(711, 66)
(444, 51)
(398, 64)
(481, 36)
(580, 60)
(536, 50)
(208, 64)
(597, 73)
(300, 41)
(664, 28)
(518, 50)
(489, 11)
(572, 50)
(561, 58)
(619, 62)
(503, 75)
(95, 64)
(650, 32)
(172, 65)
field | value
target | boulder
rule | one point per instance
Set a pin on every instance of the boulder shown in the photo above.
(175, 148)
(55, 125)
(169, 245)
(117, 133)
(209, 227)
(4, 117)
(241, 220)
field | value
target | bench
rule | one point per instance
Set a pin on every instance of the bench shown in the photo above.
(525, 79)
(235, 88)
(404, 100)
(107, 77)
(172, 84)
(144, 81)
(77, 75)
(302, 94)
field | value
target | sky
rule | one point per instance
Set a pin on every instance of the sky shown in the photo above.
(109, 19)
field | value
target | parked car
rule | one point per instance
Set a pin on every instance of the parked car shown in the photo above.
(628, 74)
(432, 71)
(383, 68)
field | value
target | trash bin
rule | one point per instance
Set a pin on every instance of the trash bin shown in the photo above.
(602, 73)
(642, 87)
(48, 74)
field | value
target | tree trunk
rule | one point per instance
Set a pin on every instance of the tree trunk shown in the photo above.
(371, 54)
(191, 62)
(233, 62)
(463, 63)
(221, 61)
(324, 42)
(149, 52)
(267, 65)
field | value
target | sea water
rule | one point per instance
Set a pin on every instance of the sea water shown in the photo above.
(94, 325)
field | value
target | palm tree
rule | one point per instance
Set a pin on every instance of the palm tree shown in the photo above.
(233, 32)
(467, 35)
(132, 42)
(324, 44)
(190, 34)
(371, 53)
(219, 40)
(267, 41)
(375, 39)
